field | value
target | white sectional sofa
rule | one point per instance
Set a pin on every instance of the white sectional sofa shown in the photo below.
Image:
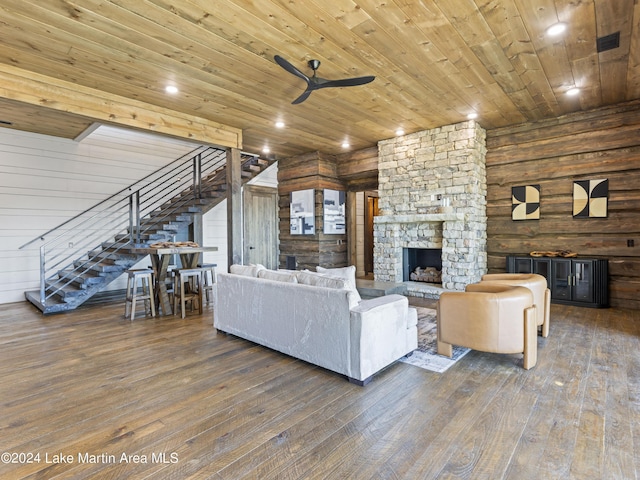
(318, 318)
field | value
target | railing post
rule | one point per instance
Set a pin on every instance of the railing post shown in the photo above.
(197, 176)
(138, 226)
(42, 275)
(134, 217)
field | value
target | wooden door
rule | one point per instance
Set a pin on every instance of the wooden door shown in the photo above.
(371, 210)
(260, 212)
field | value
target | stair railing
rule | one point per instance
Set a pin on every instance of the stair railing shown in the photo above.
(73, 247)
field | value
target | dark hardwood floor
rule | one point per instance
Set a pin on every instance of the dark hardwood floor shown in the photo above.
(87, 391)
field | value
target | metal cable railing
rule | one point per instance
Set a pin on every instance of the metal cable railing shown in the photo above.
(122, 220)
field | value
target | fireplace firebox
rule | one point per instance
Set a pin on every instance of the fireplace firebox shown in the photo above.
(424, 263)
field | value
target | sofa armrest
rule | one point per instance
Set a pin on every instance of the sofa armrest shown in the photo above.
(372, 303)
(382, 331)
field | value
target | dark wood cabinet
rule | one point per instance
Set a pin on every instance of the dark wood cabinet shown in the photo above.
(574, 281)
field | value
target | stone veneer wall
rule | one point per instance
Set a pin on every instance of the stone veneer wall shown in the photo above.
(432, 194)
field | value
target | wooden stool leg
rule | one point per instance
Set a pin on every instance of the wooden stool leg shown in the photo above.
(152, 298)
(200, 287)
(208, 287)
(134, 297)
(144, 292)
(183, 301)
(128, 298)
(176, 292)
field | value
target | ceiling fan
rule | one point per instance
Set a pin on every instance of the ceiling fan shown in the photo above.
(314, 82)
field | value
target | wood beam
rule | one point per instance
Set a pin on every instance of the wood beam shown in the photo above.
(235, 243)
(34, 89)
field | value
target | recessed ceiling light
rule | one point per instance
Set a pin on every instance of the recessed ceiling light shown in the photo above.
(556, 29)
(472, 115)
(171, 89)
(399, 132)
(265, 149)
(572, 92)
(345, 144)
(279, 124)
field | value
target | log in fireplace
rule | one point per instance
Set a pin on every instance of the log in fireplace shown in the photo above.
(422, 265)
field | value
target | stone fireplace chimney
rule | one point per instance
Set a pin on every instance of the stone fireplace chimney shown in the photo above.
(432, 194)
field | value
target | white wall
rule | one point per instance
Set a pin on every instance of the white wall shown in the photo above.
(46, 180)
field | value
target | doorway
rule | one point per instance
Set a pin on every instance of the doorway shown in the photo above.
(260, 212)
(370, 211)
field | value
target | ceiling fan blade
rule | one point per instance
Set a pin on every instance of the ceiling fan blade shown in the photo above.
(315, 82)
(290, 68)
(347, 82)
(302, 97)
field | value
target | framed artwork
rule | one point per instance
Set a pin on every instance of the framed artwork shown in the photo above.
(301, 206)
(333, 213)
(525, 202)
(590, 198)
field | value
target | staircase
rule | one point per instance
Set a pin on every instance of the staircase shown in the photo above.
(83, 255)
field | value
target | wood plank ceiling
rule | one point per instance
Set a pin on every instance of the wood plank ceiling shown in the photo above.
(435, 61)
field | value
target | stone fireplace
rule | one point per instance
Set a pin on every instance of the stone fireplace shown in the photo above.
(432, 195)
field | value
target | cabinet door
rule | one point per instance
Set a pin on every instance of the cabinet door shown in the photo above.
(522, 265)
(561, 279)
(582, 290)
(542, 266)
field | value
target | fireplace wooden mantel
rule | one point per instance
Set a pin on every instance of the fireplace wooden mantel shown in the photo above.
(420, 218)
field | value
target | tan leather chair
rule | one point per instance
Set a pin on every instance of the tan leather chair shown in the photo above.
(538, 286)
(490, 318)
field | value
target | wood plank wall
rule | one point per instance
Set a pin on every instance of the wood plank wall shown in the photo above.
(310, 171)
(359, 169)
(603, 143)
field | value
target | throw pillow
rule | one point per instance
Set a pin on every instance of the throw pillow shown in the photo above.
(278, 276)
(320, 280)
(247, 270)
(312, 278)
(346, 273)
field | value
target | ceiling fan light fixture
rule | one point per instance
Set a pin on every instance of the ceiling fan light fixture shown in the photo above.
(314, 82)
(556, 29)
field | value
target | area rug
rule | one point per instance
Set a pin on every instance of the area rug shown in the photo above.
(426, 356)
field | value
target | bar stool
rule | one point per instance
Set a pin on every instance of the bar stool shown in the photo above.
(187, 287)
(145, 277)
(209, 277)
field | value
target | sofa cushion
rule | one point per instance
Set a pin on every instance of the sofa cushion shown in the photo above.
(312, 278)
(278, 276)
(246, 270)
(347, 273)
(321, 280)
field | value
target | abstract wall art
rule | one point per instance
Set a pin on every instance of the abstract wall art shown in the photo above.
(590, 198)
(302, 212)
(525, 202)
(334, 212)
